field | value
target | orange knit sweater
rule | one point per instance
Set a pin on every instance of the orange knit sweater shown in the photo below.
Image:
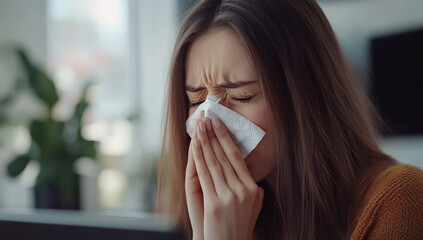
(393, 206)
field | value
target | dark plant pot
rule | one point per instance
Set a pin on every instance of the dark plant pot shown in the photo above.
(49, 196)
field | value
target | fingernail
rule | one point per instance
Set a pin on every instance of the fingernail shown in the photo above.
(216, 123)
(202, 127)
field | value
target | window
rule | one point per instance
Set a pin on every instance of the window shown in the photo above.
(122, 47)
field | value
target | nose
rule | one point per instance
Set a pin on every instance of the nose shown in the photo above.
(221, 98)
(216, 98)
(224, 101)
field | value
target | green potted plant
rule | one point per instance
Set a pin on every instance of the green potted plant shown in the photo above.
(55, 145)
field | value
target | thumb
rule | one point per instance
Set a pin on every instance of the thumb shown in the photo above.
(258, 203)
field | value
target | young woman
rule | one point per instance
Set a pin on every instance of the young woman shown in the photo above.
(318, 173)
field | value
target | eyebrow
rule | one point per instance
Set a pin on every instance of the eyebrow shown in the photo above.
(224, 85)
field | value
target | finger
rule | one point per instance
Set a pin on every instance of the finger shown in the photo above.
(259, 200)
(206, 181)
(232, 153)
(228, 172)
(190, 171)
(211, 162)
(197, 122)
(192, 182)
(258, 204)
(194, 194)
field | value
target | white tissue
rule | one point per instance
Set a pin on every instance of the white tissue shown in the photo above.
(245, 133)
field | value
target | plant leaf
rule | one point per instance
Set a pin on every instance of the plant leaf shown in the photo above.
(40, 82)
(16, 167)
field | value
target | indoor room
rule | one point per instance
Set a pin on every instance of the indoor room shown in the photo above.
(98, 138)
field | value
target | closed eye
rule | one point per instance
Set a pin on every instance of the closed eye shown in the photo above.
(195, 104)
(243, 100)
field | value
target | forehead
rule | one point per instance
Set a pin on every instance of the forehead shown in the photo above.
(218, 56)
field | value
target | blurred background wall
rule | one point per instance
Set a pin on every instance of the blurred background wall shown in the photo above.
(121, 49)
(22, 23)
(356, 23)
(25, 22)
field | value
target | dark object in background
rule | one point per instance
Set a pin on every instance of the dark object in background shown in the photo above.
(48, 195)
(397, 81)
(67, 225)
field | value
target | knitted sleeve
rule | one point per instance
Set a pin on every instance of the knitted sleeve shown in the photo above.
(395, 209)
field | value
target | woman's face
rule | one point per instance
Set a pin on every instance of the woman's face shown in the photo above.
(218, 64)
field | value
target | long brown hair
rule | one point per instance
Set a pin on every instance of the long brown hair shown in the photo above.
(326, 135)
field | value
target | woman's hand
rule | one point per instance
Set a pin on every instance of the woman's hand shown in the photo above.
(231, 199)
(194, 195)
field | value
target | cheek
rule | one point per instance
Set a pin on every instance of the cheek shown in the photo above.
(261, 161)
